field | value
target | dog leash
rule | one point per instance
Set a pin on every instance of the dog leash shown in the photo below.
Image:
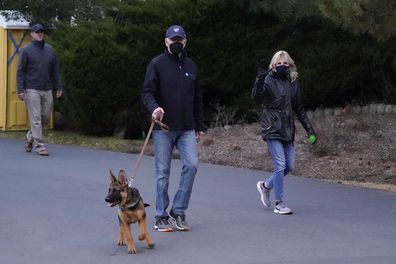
(165, 128)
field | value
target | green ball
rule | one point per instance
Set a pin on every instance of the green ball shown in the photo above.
(311, 139)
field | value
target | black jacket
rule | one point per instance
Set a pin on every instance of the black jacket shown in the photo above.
(281, 99)
(38, 68)
(172, 83)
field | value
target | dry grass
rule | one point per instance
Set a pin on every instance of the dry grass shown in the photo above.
(74, 139)
(351, 149)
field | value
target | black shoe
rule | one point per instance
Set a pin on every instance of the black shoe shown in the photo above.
(28, 145)
(162, 224)
(179, 221)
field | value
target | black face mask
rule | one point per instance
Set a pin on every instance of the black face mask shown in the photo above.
(282, 70)
(176, 48)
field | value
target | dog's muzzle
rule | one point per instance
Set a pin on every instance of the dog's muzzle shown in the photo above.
(112, 201)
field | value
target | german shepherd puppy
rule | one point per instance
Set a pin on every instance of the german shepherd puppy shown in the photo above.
(131, 210)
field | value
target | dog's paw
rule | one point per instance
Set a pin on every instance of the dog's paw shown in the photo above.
(121, 243)
(132, 250)
(151, 244)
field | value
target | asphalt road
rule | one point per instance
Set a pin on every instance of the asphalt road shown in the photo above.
(52, 210)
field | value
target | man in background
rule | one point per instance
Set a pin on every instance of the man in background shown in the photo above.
(38, 72)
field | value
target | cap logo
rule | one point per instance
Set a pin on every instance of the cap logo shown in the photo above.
(175, 31)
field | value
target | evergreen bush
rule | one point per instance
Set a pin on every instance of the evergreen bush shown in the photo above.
(104, 62)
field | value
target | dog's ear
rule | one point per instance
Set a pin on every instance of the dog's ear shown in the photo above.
(122, 178)
(112, 177)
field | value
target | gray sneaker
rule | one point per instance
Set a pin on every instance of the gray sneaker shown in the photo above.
(179, 221)
(265, 194)
(42, 151)
(162, 224)
(281, 208)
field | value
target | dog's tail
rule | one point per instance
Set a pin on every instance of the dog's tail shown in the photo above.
(146, 205)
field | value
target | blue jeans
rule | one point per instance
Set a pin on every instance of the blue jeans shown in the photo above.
(282, 154)
(164, 143)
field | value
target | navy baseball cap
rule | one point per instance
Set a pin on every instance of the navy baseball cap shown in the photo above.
(175, 31)
(37, 27)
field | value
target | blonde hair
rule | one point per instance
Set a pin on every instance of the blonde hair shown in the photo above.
(292, 66)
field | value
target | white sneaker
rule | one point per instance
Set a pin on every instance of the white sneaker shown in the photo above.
(281, 208)
(265, 194)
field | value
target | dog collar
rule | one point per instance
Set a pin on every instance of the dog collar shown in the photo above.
(130, 205)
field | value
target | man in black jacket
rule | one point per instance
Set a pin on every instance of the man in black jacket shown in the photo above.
(38, 72)
(171, 93)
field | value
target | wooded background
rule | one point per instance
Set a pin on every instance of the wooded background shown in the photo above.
(345, 53)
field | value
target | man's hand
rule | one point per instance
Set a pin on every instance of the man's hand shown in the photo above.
(59, 93)
(198, 135)
(158, 113)
(21, 96)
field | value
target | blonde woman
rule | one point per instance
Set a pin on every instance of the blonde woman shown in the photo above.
(279, 90)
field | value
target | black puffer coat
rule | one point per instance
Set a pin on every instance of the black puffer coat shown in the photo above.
(282, 100)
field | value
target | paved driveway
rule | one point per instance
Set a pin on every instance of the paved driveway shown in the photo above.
(52, 210)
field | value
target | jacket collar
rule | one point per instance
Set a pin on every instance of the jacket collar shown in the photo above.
(174, 57)
(38, 44)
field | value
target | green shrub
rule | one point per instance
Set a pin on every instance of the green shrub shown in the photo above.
(103, 62)
(100, 79)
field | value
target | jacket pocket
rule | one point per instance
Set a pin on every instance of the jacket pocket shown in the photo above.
(270, 121)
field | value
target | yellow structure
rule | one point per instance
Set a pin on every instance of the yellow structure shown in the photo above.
(14, 35)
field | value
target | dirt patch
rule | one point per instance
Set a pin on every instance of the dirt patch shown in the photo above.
(352, 149)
